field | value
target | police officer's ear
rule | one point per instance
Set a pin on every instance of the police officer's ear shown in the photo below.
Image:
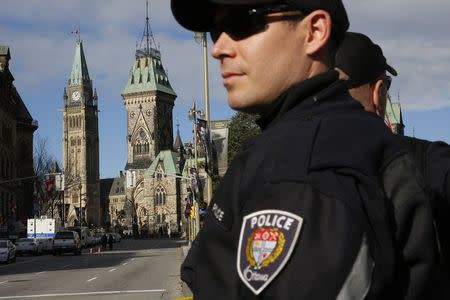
(317, 26)
(379, 98)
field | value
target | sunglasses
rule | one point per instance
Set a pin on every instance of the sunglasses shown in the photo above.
(243, 22)
(387, 81)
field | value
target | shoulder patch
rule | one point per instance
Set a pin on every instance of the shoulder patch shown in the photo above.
(266, 243)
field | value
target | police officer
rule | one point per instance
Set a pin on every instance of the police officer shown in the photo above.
(364, 65)
(300, 213)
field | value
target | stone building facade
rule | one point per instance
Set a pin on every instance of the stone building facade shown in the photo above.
(16, 151)
(156, 178)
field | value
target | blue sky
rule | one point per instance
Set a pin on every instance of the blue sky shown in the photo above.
(411, 32)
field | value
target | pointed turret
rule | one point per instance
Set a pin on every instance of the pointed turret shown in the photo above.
(149, 99)
(178, 143)
(148, 73)
(79, 74)
(179, 148)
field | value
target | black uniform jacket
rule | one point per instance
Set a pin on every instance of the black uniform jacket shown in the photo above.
(433, 161)
(300, 213)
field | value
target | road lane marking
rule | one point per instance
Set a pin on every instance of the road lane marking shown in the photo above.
(40, 272)
(112, 270)
(4, 282)
(124, 264)
(93, 278)
(84, 294)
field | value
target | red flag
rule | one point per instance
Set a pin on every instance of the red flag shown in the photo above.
(50, 186)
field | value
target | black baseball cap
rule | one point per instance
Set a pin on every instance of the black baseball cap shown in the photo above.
(361, 59)
(198, 15)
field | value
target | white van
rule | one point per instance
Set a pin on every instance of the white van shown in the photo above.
(84, 233)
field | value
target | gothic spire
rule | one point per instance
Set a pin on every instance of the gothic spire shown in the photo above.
(147, 45)
(178, 143)
(79, 74)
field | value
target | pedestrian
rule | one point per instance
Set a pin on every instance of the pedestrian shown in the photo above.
(364, 65)
(110, 241)
(300, 213)
(104, 241)
(168, 230)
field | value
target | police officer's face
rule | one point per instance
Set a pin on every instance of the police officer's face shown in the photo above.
(257, 69)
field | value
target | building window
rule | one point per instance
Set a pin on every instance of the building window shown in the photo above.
(160, 196)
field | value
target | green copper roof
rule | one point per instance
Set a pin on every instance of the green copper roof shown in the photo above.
(169, 161)
(190, 163)
(79, 74)
(4, 50)
(394, 113)
(148, 75)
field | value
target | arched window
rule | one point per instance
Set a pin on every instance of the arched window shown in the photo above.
(160, 196)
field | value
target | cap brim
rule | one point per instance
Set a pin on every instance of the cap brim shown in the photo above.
(391, 70)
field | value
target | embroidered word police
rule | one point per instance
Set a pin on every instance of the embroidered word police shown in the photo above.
(218, 213)
(271, 221)
(265, 245)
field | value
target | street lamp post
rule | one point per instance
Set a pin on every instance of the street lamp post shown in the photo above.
(196, 220)
(80, 212)
(200, 37)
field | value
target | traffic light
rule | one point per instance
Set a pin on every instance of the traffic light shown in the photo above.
(192, 212)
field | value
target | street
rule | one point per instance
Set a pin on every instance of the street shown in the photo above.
(134, 269)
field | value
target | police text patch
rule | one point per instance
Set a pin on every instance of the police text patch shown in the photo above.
(266, 243)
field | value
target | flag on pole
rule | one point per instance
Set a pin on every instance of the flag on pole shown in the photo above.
(76, 32)
(196, 185)
(203, 137)
(50, 186)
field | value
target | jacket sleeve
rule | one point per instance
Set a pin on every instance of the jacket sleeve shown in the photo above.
(437, 174)
(414, 233)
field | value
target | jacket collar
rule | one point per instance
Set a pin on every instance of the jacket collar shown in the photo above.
(305, 94)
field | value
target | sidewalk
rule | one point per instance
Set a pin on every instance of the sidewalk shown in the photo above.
(177, 289)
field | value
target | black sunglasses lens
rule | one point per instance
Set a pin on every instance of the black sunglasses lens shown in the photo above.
(215, 34)
(388, 82)
(239, 25)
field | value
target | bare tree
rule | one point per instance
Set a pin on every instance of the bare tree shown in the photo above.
(43, 164)
(43, 161)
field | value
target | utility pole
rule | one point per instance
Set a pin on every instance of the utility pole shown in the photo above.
(196, 219)
(201, 37)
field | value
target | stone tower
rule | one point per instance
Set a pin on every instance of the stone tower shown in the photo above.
(149, 99)
(81, 144)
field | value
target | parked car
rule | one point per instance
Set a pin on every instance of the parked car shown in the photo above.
(7, 251)
(67, 241)
(47, 244)
(28, 246)
(84, 234)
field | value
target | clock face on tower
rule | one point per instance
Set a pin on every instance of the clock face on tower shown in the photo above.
(76, 96)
